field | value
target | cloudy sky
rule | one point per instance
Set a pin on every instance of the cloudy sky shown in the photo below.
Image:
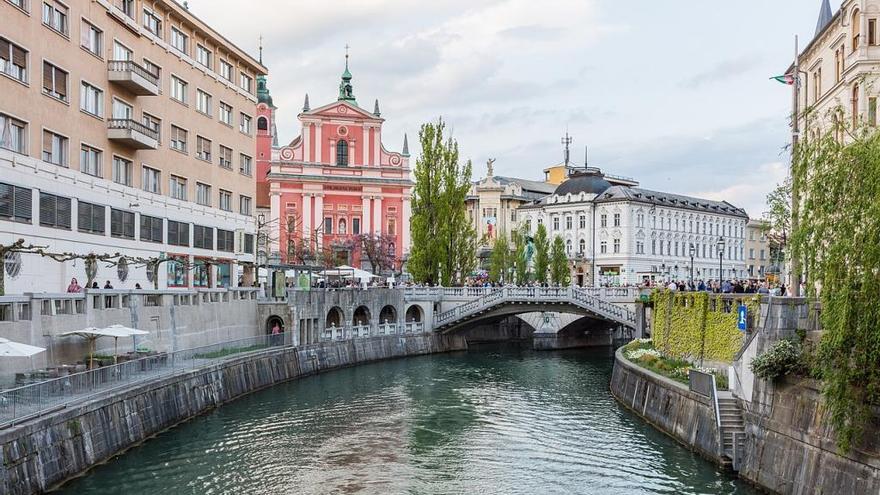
(674, 93)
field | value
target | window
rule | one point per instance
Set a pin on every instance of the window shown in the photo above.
(121, 52)
(90, 218)
(328, 226)
(872, 31)
(55, 16)
(616, 246)
(15, 203)
(262, 124)
(177, 271)
(225, 200)
(568, 222)
(226, 70)
(13, 60)
(91, 100)
(640, 247)
(751, 253)
(150, 180)
(246, 83)
(151, 229)
(762, 255)
(226, 113)
(90, 161)
(582, 246)
(121, 224)
(342, 153)
(54, 211)
(817, 84)
(203, 102)
(203, 56)
(225, 240)
(91, 38)
(54, 81)
(178, 138)
(22, 4)
(153, 123)
(582, 222)
(179, 40)
(121, 110)
(203, 237)
(603, 247)
(244, 205)
(152, 68)
(122, 171)
(872, 111)
(178, 233)
(249, 243)
(127, 7)
(245, 125)
(356, 226)
(178, 89)
(54, 148)
(203, 148)
(555, 223)
(177, 187)
(603, 220)
(856, 29)
(245, 164)
(13, 133)
(855, 105)
(203, 194)
(225, 157)
(152, 22)
(654, 246)
(392, 227)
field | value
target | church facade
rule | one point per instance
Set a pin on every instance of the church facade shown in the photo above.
(334, 194)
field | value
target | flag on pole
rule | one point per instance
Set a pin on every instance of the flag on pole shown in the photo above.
(786, 79)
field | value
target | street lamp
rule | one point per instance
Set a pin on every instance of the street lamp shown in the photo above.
(720, 244)
(693, 251)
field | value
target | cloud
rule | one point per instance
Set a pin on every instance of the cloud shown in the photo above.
(722, 71)
(751, 191)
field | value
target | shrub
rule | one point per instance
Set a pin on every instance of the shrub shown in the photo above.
(781, 359)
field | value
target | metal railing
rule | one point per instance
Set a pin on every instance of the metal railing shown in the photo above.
(132, 66)
(132, 125)
(30, 401)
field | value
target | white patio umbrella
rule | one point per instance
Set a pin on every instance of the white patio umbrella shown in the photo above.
(91, 334)
(121, 331)
(9, 348)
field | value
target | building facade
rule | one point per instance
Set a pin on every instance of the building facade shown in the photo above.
(125, 127)
(617, 234)
(758, 258)
(335, 185)
(839, 69)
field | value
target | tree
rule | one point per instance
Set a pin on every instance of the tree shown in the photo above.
(499, 262)
(559, 271)
(542, 253)
(379, 250)
(442, 234)
(778, 214)
(521, 255)
(837, 241)
(19, 247)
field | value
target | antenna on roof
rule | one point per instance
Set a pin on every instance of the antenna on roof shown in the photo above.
(567, 141)
(586, 157)
(261, 49)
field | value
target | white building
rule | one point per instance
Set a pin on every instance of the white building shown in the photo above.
(619, 234)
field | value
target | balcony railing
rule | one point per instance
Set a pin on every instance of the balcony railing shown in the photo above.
(133, 77)
(132, 133)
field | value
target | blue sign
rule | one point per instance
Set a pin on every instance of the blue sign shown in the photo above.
(742, 320)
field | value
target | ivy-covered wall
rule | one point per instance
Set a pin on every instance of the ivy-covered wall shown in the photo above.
(690, 324)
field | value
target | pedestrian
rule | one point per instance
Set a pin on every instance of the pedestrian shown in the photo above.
(74, 286)
(95, 285)
(137, 286)
(107, 285)
(276, 331)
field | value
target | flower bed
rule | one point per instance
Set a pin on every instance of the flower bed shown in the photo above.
(642, 353)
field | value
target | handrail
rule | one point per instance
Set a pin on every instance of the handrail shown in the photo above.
(132, 125)
(715, 401)
(132, 66)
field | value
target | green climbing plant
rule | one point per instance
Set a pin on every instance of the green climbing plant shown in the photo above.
(837, 239)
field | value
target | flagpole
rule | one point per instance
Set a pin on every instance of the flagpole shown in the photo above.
(795, 275)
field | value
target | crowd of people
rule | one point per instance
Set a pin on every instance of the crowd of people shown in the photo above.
(723, 287)
(74, 286)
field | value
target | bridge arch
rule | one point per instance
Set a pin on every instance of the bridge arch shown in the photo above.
(414, 314)
(361, 316)
(335, 317)
(388, 314)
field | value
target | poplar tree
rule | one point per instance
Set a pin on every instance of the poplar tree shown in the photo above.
(443, 244)
(521, 255)
(542, 253)
(499, 262)
(559, 272)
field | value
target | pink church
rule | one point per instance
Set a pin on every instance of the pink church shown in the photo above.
(333, 184)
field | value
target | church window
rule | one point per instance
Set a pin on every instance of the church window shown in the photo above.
(262, 124)
(342, 153)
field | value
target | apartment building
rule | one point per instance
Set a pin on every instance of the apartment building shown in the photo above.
(126, 126)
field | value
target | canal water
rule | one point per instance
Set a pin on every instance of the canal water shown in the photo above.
(488, 421)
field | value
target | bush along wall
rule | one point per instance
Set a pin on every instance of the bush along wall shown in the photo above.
(689, 325)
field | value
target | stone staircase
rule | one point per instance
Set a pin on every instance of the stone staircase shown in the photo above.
(732, 428)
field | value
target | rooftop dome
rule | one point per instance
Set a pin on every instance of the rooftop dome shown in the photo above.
(590, 182)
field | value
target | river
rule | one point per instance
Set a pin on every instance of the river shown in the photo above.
(495, 420)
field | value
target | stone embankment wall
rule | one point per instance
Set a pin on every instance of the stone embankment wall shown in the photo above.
(791, 449)
(45, 452)
(668, 405)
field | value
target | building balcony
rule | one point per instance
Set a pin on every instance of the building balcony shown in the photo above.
(132, 134)
(133, 77)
